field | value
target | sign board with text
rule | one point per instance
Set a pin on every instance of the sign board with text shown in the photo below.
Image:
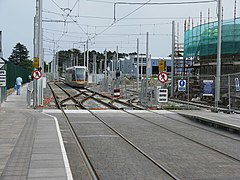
(207, 87)
(2, 63)
(162, 95)
(3, 81)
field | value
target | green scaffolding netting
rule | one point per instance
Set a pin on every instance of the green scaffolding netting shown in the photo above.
(202, 40)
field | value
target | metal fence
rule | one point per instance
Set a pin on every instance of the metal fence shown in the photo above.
(199, 89)
(13, 71)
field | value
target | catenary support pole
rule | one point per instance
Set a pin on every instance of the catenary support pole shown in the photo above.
(137, 64)
(87, 57)
(147, 64)
(173, 59)
(219, 46)
(40, 52)
(84, 55)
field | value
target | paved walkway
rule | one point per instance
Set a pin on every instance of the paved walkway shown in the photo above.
(31, 145)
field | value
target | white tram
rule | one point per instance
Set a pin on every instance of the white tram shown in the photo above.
(76, 76)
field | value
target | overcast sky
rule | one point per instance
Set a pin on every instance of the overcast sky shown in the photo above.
(94, 17)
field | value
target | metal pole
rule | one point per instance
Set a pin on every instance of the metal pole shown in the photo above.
(57, 57)
(35, 44)
(172, 57)
(137, 64)
(229, 93)
(87, 57)
(188, 88)
(94, 67)
(101, 71)
(141, 67)
(40, 51)
(105, 70)
(147, 63)
(77, 60)
(218, 64)
(54, 64)
(117, 58)
(84, 55)
(105, 64)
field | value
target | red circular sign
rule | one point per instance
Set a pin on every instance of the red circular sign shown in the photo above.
(36, 74)
(163, 77)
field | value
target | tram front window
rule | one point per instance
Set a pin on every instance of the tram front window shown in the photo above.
(80, 74)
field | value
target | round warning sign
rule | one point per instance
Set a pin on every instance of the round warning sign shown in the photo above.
(163, 77)
(36, 74)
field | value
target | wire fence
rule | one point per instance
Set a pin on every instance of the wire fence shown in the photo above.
(197, 89)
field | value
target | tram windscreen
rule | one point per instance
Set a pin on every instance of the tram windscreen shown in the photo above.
(80, 74)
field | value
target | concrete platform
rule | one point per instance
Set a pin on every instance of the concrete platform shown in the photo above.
(230, 121)
(31, 145)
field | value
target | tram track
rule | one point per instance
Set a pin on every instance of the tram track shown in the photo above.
(86, 159)
(111, 106)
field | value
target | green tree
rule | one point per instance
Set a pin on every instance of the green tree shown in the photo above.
(19, 56)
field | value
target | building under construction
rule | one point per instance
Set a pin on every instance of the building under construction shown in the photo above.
(200, 47)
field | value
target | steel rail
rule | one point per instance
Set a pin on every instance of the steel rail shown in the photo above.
(83, 153)
(116, 100)
(202, 128)
(199, 143)
(78, 103)
(136, 147)
(133, 145)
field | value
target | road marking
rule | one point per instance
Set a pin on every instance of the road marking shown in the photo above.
(64, 154)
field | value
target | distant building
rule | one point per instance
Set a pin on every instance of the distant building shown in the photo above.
(129, 65)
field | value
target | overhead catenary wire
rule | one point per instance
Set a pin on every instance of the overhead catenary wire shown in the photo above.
(92, 36)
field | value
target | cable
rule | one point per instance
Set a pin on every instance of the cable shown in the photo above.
(99, 1)
(121, 19)
(167, 3)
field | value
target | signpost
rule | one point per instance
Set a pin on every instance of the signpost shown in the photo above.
(181, 85)
(163, 77)
(36, 74)
(162, 95)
